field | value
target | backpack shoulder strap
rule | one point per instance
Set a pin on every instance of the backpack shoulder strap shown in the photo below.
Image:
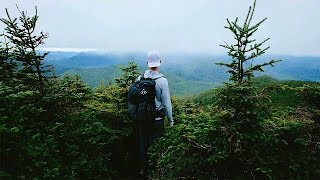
(139, 77)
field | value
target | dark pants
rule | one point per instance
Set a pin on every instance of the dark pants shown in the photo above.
(146, 135)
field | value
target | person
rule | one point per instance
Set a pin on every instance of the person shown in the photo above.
(162, 100)
(147, 135)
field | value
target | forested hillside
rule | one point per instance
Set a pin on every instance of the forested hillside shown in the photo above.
(56, 126)
(285, 93)
(188, 74)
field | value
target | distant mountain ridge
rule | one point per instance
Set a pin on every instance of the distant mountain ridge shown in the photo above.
(188, 74)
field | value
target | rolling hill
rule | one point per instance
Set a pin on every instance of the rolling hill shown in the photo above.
(281, 98)
(188, 74)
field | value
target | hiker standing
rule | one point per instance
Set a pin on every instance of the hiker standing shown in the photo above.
(149, 103)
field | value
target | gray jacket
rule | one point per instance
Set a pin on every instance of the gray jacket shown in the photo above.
(162, 100)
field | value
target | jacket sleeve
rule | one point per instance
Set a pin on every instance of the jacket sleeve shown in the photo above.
(166, 100)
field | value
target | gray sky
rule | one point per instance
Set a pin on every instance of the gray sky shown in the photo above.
(171, 25)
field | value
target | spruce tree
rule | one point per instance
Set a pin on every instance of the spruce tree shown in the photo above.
(130, 73)
(245, 49)
(21, 33)
(244, 107)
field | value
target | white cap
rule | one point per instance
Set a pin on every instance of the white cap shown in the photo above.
(154, 59)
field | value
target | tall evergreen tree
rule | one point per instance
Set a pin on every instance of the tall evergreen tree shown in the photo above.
(21, 33)
(246, 106)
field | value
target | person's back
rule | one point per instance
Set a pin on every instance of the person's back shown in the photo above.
(162, 99)
(162, 104)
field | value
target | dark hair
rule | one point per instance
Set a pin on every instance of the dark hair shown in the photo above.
(153, 68)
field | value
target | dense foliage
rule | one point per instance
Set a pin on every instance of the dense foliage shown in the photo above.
(241, 135)
(53, 127)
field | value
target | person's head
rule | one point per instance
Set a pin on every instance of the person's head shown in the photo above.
(153, 60)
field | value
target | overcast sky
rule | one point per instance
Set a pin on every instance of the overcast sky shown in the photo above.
(171, 25)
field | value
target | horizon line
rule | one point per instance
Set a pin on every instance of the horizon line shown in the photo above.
(93, 50)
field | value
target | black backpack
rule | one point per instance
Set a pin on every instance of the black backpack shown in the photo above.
(141, 96)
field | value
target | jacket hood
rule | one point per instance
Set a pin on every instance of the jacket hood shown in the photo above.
(152, 74)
